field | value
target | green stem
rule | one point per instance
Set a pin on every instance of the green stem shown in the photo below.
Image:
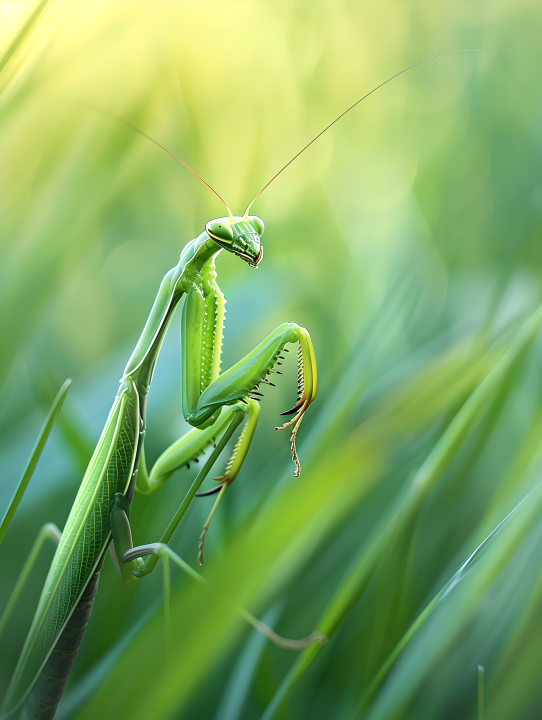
(166, 537)
(150, 562)
(167, 604)
(48, 532)
(33, 461)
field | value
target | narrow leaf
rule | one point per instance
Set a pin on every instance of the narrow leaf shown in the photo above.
(33, 461)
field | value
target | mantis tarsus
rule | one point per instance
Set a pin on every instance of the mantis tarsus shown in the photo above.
(214, 403)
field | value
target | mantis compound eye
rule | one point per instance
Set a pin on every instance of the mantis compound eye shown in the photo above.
(219, 230)
(258, 224)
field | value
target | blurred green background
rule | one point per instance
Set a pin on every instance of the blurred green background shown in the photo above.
(407, 240)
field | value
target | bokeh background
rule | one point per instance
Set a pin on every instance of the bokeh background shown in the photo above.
(407, 240)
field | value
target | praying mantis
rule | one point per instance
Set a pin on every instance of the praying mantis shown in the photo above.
(215, 403)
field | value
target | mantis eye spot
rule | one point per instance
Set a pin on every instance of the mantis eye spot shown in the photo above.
(220, 231)
(258, 224)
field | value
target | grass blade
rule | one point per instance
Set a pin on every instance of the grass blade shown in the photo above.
(48, 532)
(457, 577)
(234, 698)
(24, 32)
(33, 461)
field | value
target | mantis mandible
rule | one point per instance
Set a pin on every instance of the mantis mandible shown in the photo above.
(214, 403)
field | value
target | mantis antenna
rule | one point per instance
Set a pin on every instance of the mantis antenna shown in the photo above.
(133, 127)
(432, 57)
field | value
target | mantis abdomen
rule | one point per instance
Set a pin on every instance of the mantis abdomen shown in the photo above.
(42, 701)
(69, 590)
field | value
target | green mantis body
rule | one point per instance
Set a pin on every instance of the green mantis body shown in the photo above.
(214, 404)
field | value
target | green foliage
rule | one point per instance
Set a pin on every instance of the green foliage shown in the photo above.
(406, 240)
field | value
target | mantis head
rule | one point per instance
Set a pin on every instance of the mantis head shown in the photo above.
(240, 236)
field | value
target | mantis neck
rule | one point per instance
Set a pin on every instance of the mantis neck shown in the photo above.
(140, 368)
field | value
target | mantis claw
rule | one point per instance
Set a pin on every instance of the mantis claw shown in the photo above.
(306, 388)
(212, 491)
(295, 407)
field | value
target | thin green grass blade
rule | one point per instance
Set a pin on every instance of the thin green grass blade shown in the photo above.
(499, 560)
(48, 532)
(33, 461)
(241, 678)
(82, 691)
(404, 510)
(24, 35)
(472, 560)
(69, 424)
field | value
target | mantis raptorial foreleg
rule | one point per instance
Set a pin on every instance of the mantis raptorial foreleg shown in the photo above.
(241, 382)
